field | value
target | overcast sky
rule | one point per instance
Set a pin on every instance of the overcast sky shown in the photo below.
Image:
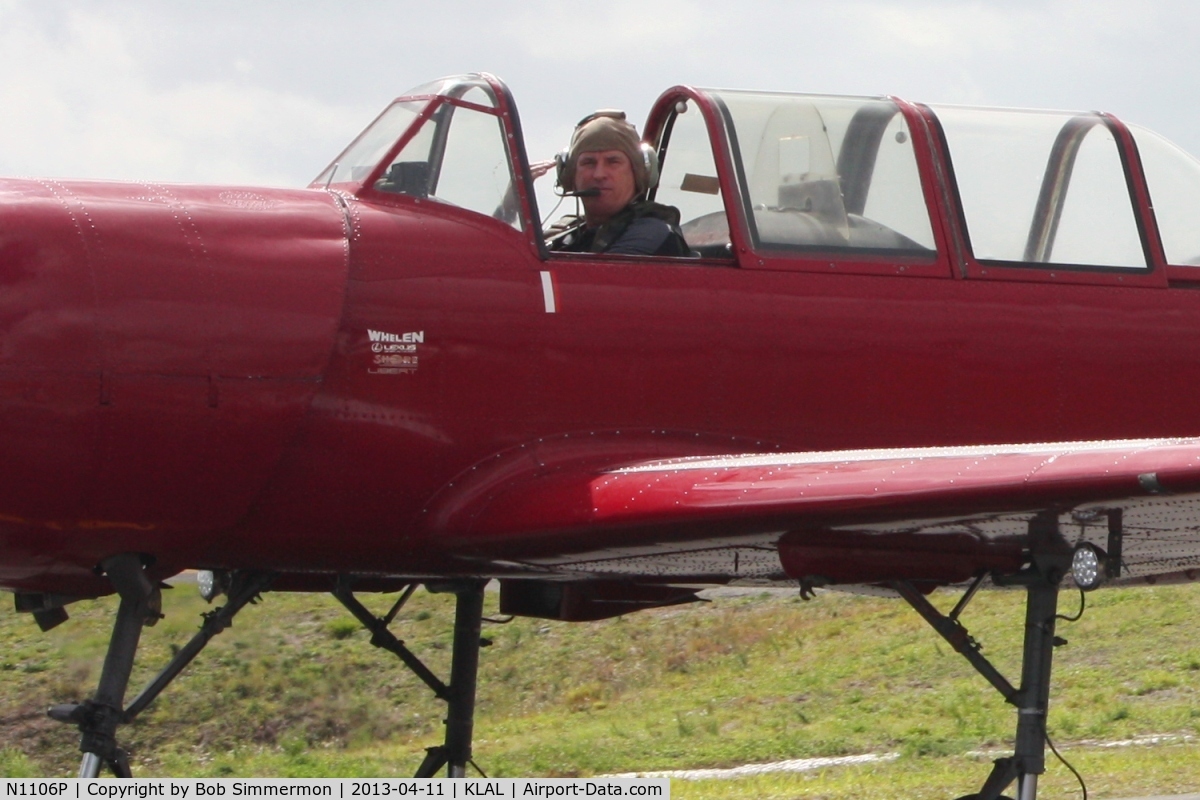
(269, 92)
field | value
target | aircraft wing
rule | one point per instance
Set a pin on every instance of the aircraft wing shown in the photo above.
(930, 514)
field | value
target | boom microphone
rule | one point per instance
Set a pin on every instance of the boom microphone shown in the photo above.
(593, 192)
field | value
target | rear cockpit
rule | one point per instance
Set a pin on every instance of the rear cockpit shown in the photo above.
(812, 172)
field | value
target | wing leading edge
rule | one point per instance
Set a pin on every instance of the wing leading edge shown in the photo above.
(931, 514)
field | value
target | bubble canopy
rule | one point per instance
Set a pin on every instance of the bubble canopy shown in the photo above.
(802, 174)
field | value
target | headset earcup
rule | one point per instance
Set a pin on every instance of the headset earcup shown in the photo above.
(650, 159)
(564, 175)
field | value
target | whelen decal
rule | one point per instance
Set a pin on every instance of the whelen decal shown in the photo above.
(394, 353)
(548, 293)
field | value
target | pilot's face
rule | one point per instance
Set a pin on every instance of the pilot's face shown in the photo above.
(611, 173)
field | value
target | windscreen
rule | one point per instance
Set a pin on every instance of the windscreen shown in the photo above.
(364, 154)
(357, 160)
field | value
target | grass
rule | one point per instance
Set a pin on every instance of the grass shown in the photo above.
(293, 689)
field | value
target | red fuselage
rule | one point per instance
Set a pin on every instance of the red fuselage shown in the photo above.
(301, 380)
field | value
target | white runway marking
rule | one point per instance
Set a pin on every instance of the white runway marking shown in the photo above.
(1148, 740)
(795, 765)
(810, 764)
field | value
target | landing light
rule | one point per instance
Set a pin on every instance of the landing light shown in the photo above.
(1087, 566)
(206, 581)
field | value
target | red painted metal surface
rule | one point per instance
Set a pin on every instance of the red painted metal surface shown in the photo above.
(792, 490)
(161, 345)
(323, 381)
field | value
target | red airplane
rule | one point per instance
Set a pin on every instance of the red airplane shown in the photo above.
(915, 346)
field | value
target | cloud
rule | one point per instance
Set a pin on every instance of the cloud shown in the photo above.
(945, 30)
(610, 31)
(271, 91)
(83, 104)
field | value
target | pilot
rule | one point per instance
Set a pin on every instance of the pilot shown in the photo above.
(609, 168)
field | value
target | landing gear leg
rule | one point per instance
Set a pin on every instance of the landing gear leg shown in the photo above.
(1034, 698)
(464, 669)
(1041, 581)
(99, 717)
(459, 694)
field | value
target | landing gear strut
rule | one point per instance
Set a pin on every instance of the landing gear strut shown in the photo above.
(1050, 563)
(459, 694)
(99, 717)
